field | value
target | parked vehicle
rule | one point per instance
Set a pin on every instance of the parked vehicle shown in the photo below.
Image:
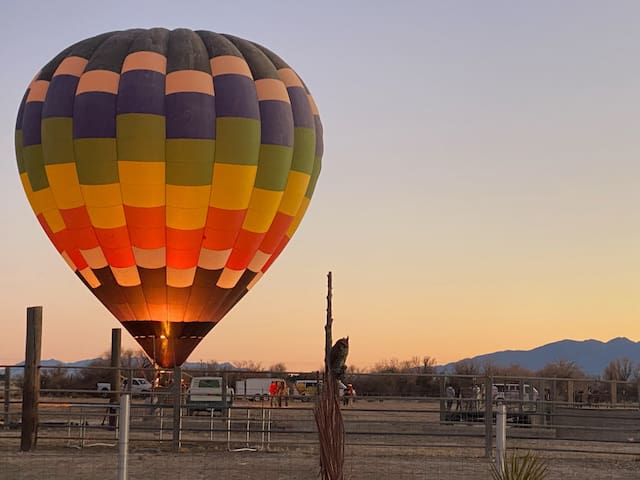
(208, 394)
(520, 404)
(255, 389)
(305, 390)
(104, 388)
(511, 392)
(139, 386)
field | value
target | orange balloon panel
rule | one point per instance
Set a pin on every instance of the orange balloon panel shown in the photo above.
(169, 169)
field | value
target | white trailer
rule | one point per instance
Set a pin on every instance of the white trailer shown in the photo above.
(255, 389)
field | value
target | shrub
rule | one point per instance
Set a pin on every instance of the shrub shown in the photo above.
(521, 467)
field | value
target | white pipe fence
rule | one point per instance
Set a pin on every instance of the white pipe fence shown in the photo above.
(123, 436)
(501, 436)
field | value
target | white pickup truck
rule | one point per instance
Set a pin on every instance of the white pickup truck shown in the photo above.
(139, 386)
(209, 394)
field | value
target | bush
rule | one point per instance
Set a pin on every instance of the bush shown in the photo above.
(521, 467)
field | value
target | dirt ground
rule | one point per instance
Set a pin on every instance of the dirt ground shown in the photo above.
(428, 450)
(99, 464)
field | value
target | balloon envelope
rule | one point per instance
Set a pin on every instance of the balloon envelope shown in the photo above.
(169, 169)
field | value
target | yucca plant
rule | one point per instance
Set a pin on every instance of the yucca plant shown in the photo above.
(526, 466)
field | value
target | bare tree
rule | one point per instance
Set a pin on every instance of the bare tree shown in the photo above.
(387, 366)
(620, 369)
(279, 367)
(562, 369)
(489, 368)
(514, 370)
(429, 364)
(249, 365)
(413, 365)
(466, 367)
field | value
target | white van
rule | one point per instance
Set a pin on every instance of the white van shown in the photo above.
(208, 394)
(255, 389)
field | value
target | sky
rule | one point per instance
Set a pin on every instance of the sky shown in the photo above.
(479, 191)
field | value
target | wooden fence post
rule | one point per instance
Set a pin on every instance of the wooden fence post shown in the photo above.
(7, 398)
(177, 406)
(444, 412)
(116, 350)
(488, 416)
(31, 387)
(614, 393)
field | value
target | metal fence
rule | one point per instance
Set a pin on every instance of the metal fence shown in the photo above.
(398, 411)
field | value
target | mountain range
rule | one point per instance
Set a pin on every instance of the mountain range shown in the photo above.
(52, 362)
(592, 356)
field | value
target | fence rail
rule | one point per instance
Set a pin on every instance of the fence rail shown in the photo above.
(420, 411)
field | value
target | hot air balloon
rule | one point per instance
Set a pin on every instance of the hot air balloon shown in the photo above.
(169, 169)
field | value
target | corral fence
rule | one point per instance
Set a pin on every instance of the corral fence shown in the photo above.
(412, 411)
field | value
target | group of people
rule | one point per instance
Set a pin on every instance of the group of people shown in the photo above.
(279, 393)
(471, 396)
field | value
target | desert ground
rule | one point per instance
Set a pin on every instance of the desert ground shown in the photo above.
(291, 464)
(394, 439)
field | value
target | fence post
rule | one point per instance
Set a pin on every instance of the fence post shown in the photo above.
(212, 426)
(177, 407)
(521, 401)
(123, 436)
(443, 412)
(269, 429)
(488, 416)
(31, 387)
(229, 428)
(614, 393)
(501, 436)
(248, 426)
(571, 395)
(7, 398)
(116, 349)
(554, 400)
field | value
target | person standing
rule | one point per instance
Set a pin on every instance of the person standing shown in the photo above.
(273, 390)
(285, 393)
(349, 394)
(451, 393)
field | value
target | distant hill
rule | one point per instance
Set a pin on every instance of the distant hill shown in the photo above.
(218, 366)
(52, 362)
(592, 356)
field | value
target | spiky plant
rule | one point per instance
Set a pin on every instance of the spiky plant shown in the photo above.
(526, 466)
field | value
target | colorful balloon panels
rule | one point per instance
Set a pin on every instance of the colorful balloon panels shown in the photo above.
(169, 169)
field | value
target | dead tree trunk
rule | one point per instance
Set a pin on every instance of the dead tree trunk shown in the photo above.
(327, 411)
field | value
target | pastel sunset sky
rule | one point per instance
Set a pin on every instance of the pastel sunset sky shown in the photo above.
(479, 191)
